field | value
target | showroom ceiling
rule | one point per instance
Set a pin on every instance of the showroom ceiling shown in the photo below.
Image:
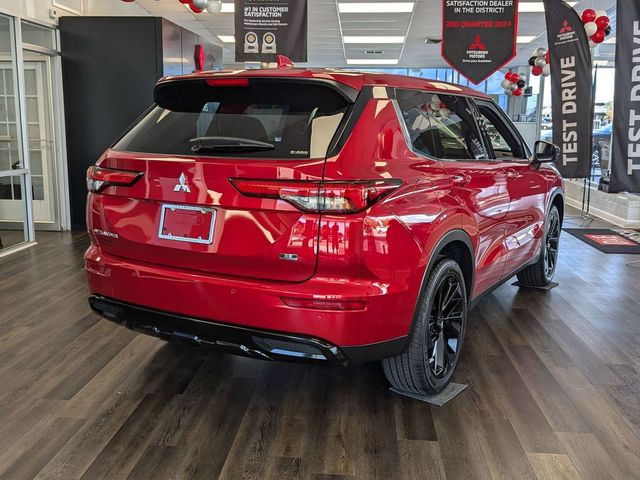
(337, 30)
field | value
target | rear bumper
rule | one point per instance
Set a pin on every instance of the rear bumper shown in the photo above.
(376, 330)
(254, 343)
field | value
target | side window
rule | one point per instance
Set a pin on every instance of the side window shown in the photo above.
(442, 126)
(504, 143)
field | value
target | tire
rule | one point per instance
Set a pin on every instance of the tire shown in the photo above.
(429, 360)
(541, 273)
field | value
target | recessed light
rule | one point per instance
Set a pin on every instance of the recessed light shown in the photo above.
(372, 61)
(535, 7)
(227, 38)
(381, 7)
(364, 39)
(525, 38)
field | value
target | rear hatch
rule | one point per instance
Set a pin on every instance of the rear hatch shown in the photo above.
(181, 206)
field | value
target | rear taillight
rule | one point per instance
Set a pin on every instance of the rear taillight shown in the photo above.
(99, 178)
(321, 197)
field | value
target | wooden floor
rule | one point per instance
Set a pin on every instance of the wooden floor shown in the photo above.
(554, 391)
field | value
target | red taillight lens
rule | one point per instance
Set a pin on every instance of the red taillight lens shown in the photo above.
(322, 197)
(99, 178)
(323, 303)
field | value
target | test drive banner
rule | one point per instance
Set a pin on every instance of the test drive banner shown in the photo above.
(571, 85)
(625, 158)
(479, 36)
(266, 28)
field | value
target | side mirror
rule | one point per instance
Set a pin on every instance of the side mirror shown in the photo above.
(545, 152)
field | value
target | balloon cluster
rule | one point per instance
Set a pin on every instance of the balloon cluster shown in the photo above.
(198, 6)
(597, 25)
(540, 62)
(437, 108)
(513, 84)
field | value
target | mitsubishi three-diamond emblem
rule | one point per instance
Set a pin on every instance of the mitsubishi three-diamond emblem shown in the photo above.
(182, 184)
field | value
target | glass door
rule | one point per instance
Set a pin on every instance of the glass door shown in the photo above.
(14, 207)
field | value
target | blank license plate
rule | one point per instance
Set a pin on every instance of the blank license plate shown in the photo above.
(184, 223)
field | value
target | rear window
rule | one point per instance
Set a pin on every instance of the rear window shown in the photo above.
(295, 119)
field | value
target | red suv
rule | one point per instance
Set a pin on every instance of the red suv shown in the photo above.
(319, 215)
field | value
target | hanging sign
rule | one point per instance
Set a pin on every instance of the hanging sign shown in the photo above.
(266, 28)
(625, 159)
(571, 88)
(479, 36)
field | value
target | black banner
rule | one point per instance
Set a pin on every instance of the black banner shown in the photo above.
(266, 28)
(571, 88)
(479, 36)
(625, 153)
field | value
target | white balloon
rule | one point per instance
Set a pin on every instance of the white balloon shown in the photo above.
(601, 13)
(546, 70)
(592, 44)
(540, 62)
(201, 4)
(435, 100)
(215, 6)
(513, 87)
(505, 83)
(508, 92)
(539, 52)
(590, 28)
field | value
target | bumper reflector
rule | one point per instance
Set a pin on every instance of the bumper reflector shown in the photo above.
(323, 304)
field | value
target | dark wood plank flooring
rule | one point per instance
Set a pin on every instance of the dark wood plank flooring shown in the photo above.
(554, 391)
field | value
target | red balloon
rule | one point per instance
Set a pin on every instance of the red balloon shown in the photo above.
(518, 92)
(598, 37)
(589, 15)
(515, 78)
(602, 22)
(195, 9)
(508, 76)
(547, 57)
(185, 1)
(536, 71)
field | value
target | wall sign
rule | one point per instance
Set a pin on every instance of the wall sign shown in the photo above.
(571, 85)
(266, 28)
(625, 159)
(479, 36)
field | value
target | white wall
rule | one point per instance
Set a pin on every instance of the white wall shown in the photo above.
(36, 9)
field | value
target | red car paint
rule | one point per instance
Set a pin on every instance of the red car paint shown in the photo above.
(374, 260)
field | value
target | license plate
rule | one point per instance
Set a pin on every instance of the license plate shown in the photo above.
(184, 223)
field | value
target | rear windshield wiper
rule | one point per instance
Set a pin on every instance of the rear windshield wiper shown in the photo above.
(228, 144)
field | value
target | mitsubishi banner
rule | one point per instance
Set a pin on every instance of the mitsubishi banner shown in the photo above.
(625, 158)
(267, 28)
(479, 36)
(571, 85)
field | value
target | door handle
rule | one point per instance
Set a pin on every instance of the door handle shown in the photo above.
(460, 179)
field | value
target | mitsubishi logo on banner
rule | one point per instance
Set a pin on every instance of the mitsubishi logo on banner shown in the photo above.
(566, 27)
(479, 36)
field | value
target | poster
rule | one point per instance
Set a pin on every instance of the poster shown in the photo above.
(571, 88)
(266, 28)
(625, 158)
(479, 36)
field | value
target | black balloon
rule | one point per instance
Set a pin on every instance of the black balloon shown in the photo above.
(522, 83)
(532, 61)
(607, 31)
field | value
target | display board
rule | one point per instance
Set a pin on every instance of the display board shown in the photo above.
(266, 28)
(571, 88)
(479, 36)
(625, 160)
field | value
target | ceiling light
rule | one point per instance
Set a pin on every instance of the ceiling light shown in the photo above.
(372, 61)
(382, 7)
(535, 7)
(227, 38)
(349, 39)
(525, 38)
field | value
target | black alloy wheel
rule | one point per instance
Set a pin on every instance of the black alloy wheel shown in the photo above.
(445, 326)
(552, 241)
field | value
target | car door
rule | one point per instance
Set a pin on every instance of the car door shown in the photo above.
(479, 183)
(526, 186)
